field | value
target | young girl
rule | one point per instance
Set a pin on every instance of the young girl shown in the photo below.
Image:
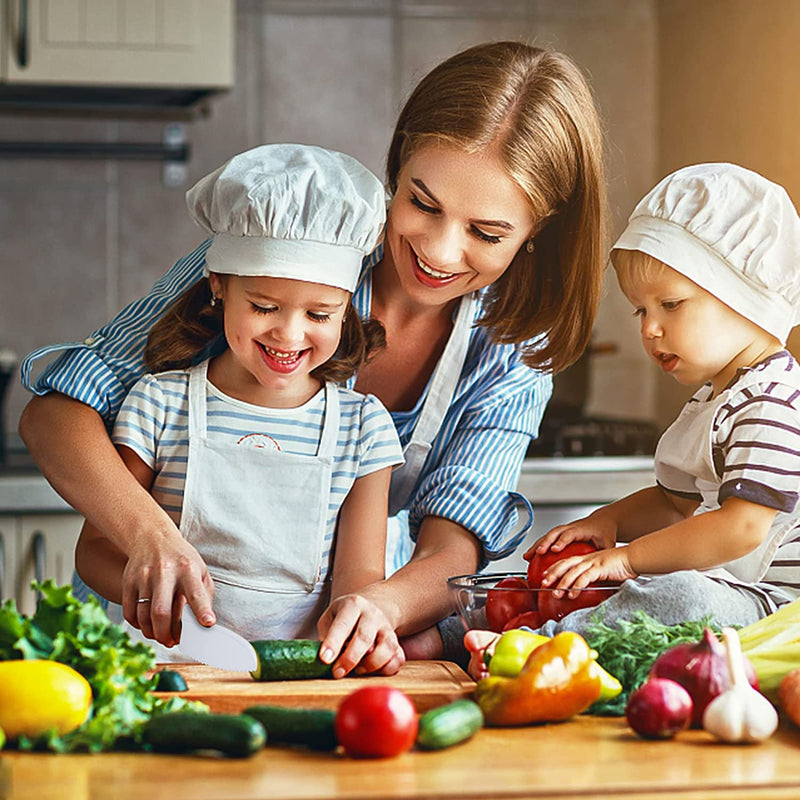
(709, 261)
(267, 465)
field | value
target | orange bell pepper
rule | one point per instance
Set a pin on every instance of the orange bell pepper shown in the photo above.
(558, 680)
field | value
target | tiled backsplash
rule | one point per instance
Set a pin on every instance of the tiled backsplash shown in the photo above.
(83, 238)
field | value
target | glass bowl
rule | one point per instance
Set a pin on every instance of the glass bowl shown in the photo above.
(483, 604)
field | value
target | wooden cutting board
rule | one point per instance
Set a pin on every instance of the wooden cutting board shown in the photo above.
(427, 683)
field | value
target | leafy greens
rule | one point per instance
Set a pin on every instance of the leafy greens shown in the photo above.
(81, 635)
(628, 649)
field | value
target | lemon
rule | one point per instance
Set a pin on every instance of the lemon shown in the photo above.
(37, 696)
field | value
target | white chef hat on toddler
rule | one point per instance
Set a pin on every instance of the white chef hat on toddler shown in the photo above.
(732, 232)
(290, 211)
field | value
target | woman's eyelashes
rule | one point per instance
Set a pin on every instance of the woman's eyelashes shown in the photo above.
(426, 209)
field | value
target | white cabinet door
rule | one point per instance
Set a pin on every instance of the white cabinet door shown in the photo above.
(119, 42)
(46, 549)
(9, 535)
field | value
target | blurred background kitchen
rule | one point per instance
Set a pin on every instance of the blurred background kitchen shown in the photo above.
(677, 82)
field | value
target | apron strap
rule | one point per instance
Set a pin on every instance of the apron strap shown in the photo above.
(445, 375)
(330, 424)
(197, 400)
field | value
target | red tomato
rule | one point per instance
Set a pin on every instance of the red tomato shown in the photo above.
(529, 619)
(557, 607)
(376, 722)
(503, 602)
(541, 561)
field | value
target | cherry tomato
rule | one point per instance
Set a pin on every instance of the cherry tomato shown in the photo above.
(557, 607)
(504, 602)
(528, 619)
(541, 561)
(376, 722)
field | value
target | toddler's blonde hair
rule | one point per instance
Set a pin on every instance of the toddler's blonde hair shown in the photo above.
(635, 267)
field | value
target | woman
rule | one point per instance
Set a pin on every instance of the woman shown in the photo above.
(487, 282)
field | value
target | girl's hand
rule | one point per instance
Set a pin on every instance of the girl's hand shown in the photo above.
(357, 636)
(168, 577)
(578, 572)
(602, 534)
(478, 643)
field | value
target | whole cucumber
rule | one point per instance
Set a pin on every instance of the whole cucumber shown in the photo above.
(289, 660)
(235, 735)
(311, 727)
(448, 725)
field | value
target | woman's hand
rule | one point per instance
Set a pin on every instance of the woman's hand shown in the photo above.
(169, 576)
(577, 572)
(357, 636)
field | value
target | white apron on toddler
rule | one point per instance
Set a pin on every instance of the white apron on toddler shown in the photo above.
(686, 449)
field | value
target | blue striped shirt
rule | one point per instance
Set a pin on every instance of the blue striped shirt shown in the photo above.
(474, 463)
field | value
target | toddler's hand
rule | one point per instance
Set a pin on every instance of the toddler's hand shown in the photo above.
(357, 635)
(577, 572)
(588, 529)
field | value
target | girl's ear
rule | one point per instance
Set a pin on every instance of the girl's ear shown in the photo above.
(216, 284)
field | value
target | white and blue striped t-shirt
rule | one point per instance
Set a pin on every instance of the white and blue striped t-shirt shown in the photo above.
(474, 463)
(153, 422)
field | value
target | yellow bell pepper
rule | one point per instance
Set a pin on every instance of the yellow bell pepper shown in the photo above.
(512, 651)
(559, 680)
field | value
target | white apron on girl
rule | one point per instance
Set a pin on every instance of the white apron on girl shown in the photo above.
(437, 402)
(258, 519)
(686, 449)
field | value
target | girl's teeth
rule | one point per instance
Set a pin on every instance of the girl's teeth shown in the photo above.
(279, 354)
(430, 271)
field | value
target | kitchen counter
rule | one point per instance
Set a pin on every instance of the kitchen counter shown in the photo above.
(587, 757)
(548, 481)
(599, 479)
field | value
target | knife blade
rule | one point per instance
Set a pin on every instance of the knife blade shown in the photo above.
(216, 646)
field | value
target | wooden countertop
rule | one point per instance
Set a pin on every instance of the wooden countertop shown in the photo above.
(585, 758)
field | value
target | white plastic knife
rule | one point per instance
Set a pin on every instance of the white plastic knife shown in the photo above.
(216, 646)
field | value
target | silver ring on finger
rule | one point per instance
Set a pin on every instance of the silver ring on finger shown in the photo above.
(143, 600)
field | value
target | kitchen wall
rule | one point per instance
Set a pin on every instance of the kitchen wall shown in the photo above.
(728, 91)
(82, 238)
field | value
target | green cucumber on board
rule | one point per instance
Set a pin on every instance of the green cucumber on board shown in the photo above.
(311, 727)
(289, 660)
(234, 735)
(168, 680)
(448, 725)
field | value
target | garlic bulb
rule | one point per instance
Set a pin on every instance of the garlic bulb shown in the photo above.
(740, 713)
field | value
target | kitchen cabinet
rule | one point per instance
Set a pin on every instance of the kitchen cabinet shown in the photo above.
(36, 546)
(116, 43)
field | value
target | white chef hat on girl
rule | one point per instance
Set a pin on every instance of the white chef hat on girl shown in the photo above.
(732, 232)
(290, 211)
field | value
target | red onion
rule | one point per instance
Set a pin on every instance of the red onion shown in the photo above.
(702, 669)
(659, 709)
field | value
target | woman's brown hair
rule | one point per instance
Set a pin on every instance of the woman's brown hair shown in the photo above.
(191, 323)
(535, 109)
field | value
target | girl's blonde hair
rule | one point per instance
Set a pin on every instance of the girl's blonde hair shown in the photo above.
(190, 323)
(635, 267)
(536, 110)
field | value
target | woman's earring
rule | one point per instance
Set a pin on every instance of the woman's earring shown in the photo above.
(530, 247)
(213, 301)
